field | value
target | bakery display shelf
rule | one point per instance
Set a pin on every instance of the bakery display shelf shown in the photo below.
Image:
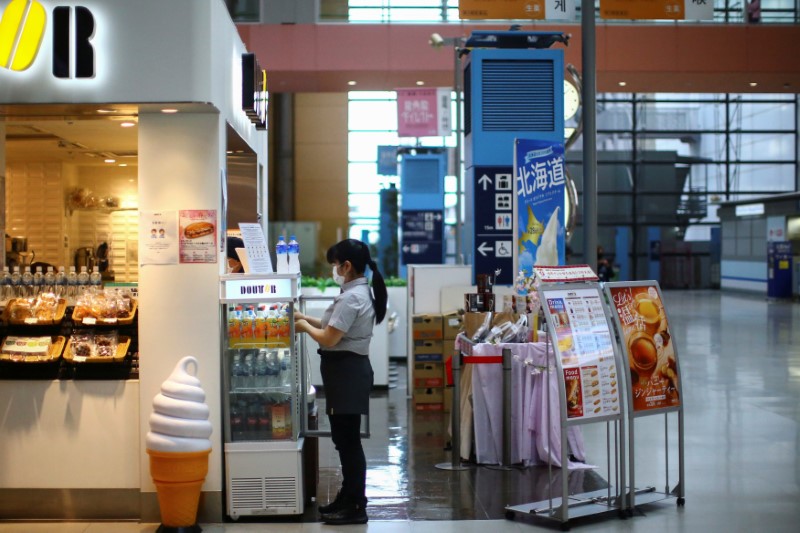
(58, 315)
(120, 321)
(122, 350)
(53, 355)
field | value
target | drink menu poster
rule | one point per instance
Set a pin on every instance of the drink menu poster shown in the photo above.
(584, 342)
(648, 345)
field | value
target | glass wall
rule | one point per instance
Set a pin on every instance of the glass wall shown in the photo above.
(664, 160)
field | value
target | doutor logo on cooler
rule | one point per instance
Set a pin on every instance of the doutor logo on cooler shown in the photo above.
(22, 28)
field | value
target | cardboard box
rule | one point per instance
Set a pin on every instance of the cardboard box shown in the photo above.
(429, 395)
(448, 399)
(426, 327)
(428, 346)
(428, 375)
(452, 323)
(429, 406)
(473, 321)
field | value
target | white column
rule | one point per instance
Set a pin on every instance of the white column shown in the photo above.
(180, 157)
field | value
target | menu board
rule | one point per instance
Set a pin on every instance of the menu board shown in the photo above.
(585, 346)
(648, 343)
(198, 235)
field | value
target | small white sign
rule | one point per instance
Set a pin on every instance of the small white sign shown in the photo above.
(561, 274)
(502, 202)
(503, 182)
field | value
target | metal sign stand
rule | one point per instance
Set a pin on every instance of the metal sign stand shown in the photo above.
(649, 494)
(455, 412)
(567, 507)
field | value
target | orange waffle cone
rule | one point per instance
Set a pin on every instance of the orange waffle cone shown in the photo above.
(178, 478)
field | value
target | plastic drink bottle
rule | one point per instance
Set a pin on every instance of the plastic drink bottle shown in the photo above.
(50, 280)
(95, 278)
(294, 255)
(38, 280)
(16, 282)
(5, 284)
(27, 282)
(281, 259)
(60, 287)
(72, 282)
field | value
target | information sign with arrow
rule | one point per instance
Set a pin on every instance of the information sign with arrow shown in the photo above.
(493, 213)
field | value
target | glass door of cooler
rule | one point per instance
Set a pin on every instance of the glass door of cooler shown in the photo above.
(260, 368)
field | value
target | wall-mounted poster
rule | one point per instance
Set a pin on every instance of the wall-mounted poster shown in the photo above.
(158, 237)
(198, 235)
(584, 341)
(648, 344)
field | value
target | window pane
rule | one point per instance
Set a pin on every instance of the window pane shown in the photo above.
(768, 147)
(778, 116)
(768, 178)
(372, 115)
(364, 178)
(363, 146)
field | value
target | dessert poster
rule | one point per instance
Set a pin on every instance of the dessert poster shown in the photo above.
(649, 346)
(585, 346)
(158, 237)
(539, 182)
(198, 235)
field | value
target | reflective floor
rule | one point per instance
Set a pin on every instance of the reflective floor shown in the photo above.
(740, 365)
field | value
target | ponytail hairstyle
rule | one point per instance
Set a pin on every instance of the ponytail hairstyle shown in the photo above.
(357, 253)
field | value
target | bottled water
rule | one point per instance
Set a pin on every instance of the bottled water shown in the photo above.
(83, 281)
(61, 283)
(5, 284)
(27, 282)
(294, 255)
(72, 283)
(16, 283)
(95, 278)
(286, 368)
(50, 280)
(247, 370)
(236, 370)
(38, 281)
(273, 369)
(281, 259)
(260, 370)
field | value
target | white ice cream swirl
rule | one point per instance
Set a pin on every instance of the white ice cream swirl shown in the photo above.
(547, 253)
(179, 422)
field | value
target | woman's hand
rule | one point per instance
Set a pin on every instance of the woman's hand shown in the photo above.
(301, 325)
(299, 316)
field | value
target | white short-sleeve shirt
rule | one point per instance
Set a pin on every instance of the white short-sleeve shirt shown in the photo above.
(353, 314)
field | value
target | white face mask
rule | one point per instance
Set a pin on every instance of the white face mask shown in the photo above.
(336, 277)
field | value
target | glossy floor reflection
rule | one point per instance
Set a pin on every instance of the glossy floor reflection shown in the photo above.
(740, 365)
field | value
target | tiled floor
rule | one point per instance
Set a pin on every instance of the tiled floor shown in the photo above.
(740, 364)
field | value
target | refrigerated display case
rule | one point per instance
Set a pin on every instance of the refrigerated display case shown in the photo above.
(262, 399)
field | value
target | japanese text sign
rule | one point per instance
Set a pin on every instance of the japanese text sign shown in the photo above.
(539, 182)
(517, 9)
(657, 9)
(648, 343)
(423, 112)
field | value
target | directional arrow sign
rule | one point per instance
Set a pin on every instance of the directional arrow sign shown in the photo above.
(485, 181)
(483, 248)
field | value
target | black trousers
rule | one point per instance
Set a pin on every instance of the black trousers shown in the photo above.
(346, 436)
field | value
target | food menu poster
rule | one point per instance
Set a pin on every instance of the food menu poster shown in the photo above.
(649, 346)
(198, 235)
(158, 236)
(584, 341)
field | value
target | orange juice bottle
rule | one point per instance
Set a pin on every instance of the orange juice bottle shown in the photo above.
(248, 323)
(260, 329)
(234, 326)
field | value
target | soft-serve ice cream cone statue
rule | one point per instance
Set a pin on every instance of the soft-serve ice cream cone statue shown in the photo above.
(178, 444)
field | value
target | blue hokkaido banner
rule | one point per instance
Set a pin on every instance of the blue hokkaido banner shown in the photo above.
(539, 183)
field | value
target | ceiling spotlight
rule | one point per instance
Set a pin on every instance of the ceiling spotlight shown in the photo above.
(110, 160)
(623, 83)
(123, 164)
(169, 111)
(420, 82)
(106, 111)
(436, 40)
(127, 124)
(753, 84)
(351, 83)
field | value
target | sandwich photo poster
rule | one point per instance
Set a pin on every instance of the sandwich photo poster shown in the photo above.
(197, 229)
(649, 346)
(539, 186)
(158, 235)
(591, 377)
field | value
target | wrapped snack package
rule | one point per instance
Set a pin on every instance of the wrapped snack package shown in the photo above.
(105, 344)
(178, 444)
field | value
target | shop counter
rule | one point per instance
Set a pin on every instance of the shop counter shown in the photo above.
(73, 442)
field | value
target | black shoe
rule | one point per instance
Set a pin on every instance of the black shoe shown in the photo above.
(351, 515)
(336, 505)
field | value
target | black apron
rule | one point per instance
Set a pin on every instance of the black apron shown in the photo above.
(347, 378)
